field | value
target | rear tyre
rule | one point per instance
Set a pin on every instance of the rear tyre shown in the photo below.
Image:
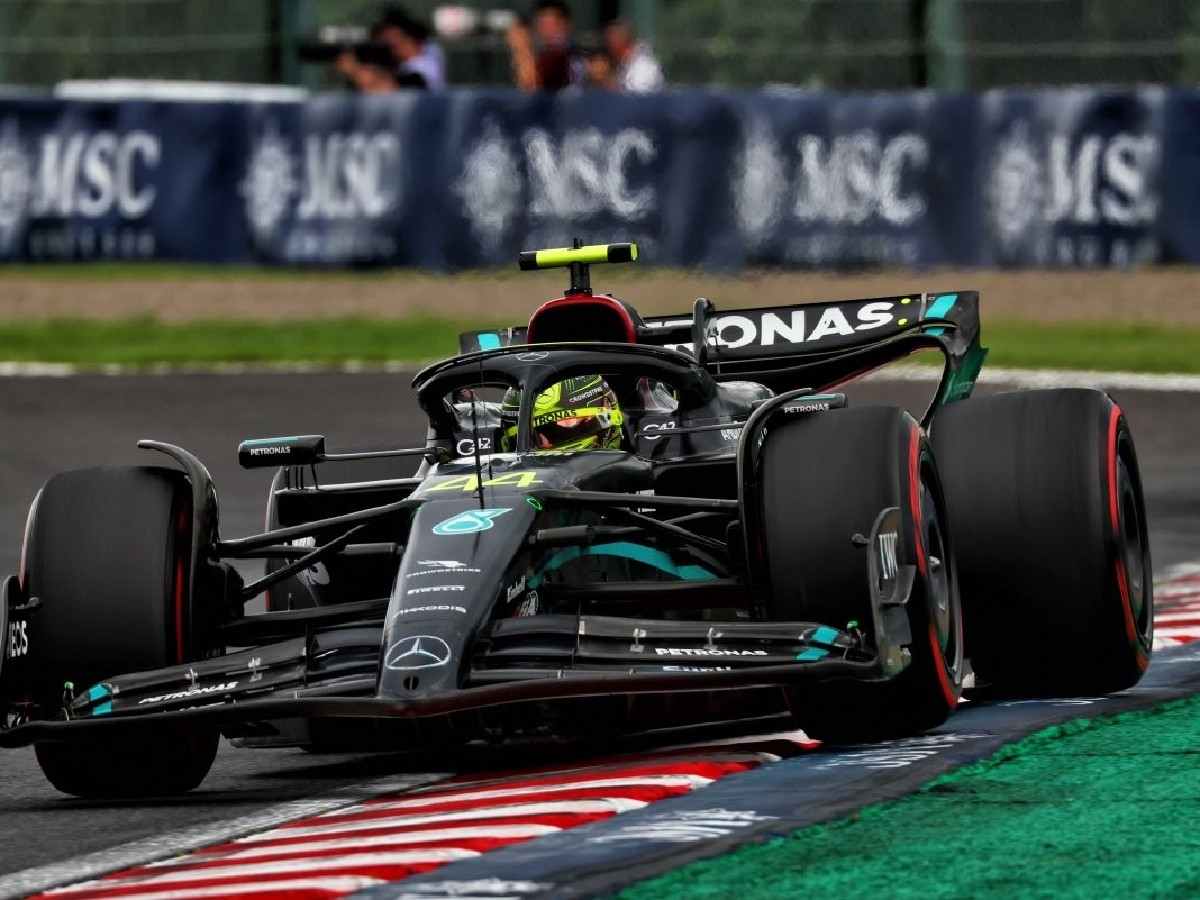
(1053, 550)
(109, 557)
(826, 478)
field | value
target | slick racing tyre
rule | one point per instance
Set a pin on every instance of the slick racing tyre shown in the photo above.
(826, 478)
(1050, 530)
(109, 559)
(146, 763)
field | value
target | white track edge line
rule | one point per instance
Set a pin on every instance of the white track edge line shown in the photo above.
(1025, 378)
(145, 850)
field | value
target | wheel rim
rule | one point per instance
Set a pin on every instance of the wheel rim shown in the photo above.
(944, 612)
(1132, 539)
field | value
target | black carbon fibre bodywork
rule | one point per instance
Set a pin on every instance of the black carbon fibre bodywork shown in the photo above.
(500, 593)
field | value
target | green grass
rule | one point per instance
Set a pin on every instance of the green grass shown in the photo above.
(145, 341)
(1093, 808)
(1107, 346)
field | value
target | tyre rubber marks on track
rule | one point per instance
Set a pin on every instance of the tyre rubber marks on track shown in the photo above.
(1177, 607)
(393, 836)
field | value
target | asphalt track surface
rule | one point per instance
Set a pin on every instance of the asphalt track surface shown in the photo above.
(48, 424)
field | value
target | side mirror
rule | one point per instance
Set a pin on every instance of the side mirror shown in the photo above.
(261, 453)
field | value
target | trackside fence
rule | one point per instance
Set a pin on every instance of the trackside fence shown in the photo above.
(723, 179)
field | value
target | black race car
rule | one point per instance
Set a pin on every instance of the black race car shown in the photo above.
(755, 547)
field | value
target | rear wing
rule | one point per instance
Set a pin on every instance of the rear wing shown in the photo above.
(827, 341)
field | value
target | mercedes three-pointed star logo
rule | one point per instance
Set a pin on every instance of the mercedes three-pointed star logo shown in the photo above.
(422, 651)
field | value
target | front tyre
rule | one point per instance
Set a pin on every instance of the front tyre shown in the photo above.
(108, 557)
(825, 478)
(131, 766)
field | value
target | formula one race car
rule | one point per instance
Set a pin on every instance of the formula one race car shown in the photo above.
(617, 524)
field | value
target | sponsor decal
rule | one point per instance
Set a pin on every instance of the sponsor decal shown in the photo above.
(468, 483)
(478, 888)
(18, 638)
(697, 668)
(731, 434)
(701, 651)
(514, 591)
(888, 566)
(435, 588)
(423, 651)
(529, 607)
(469, 522)
(270, 451)
(444, 564)
(432, 608)
(685, 826)
(808, 407)
(533, 356)
(466, 446)
(465, 571)
(191, 692)
(659, 427)
(898, 754)
(797, 326)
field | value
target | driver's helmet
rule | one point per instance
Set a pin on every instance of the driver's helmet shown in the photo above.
(579, 413)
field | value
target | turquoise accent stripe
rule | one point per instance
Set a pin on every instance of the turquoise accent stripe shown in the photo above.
(637, 552)
(489, 342)
(823, 635)
(812, 654)
(938, 310)
(103, 709)
(97, 692)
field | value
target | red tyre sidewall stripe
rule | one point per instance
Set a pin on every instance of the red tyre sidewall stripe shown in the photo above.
(1114, 516)
(914, 498)
(939, 663)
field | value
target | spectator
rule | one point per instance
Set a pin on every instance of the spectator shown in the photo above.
(600, 72)
(417, 57)
(637, 69)
(372, 70)
(556, 62)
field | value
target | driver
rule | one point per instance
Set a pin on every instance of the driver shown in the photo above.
(579, 413)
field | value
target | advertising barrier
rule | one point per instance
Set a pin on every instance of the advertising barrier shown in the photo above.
(1077, 177)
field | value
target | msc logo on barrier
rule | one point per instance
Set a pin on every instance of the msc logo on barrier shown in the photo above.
(338, 177)
(84, 176)
(1087, 181)
(864, 179)
(583, 174)
(469, 522)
